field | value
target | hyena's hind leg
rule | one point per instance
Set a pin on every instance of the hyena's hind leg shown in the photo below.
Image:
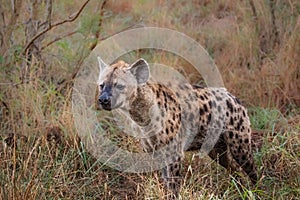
(234, 159)
(246, 161)
(240, 155)
(219, 153)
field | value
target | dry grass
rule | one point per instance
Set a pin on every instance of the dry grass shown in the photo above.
(255, 44)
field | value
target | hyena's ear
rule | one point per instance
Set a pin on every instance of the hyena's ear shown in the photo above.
(140, 69)
(102, 64)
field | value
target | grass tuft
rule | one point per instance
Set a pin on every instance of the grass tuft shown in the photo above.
(255, 44)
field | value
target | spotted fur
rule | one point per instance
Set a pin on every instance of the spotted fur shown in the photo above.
(185, 115)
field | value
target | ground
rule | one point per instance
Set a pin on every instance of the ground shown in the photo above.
(254, 45)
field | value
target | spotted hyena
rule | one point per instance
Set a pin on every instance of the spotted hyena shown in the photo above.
(191, 117)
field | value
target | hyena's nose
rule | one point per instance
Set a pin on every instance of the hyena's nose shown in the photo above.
(104, 99)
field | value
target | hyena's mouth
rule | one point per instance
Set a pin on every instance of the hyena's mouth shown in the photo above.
(106, 107)
(110, 107)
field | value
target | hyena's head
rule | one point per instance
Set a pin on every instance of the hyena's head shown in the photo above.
(119, 82)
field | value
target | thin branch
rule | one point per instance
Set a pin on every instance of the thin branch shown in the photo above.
(93, 45)
(12, 5)
(97, 34)
(71, 18)
(4, 104)
(103, 38)
(101, 18)
(274, 25)
(136, 25)
(16, 6)
(253, 9)
(48, 16)
(79, 64)
(49, 13)
(34, 10)
(59, 38)
(2, 26)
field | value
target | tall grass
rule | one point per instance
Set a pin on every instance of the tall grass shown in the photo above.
(255, 44)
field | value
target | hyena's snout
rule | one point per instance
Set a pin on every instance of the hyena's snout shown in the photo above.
(105, 101)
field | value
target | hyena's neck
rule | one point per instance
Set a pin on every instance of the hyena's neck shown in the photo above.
(140, 105)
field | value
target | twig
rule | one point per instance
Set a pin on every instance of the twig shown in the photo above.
(16, 6)
(70, 19)
(274, 25)
(59, 38)
(49, 12)
(48, 15)
(78, 66)
(4, 104)
(124, 29)
(93, 45)
(97, 34)
(253, 9)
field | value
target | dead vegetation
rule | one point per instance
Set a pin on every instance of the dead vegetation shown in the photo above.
(255, 44)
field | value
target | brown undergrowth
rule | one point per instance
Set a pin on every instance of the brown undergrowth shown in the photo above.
(255, 45)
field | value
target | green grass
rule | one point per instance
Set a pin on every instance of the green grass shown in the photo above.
(41, 156)
(265, 118)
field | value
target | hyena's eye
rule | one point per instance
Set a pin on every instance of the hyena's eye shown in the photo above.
(120, 87)
(101, 86)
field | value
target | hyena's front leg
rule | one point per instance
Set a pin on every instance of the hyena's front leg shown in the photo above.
(171, 176)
